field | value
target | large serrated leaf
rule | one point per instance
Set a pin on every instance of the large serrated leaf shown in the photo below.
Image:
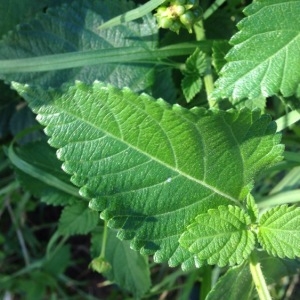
(279, 232)
(220, 236)
(152, 168)
(265, 58)
(74, 28)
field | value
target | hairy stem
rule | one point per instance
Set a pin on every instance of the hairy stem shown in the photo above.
(258, 278)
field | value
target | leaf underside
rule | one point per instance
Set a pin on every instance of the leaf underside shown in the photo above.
(279, 232)
(149, 167)
(220, 236)
(265, 58)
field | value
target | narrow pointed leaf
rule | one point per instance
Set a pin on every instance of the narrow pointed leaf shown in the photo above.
(265, 58)
(129, 154)
(220, 236)
(279, 231)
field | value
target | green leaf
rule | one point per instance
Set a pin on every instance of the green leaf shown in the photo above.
(237, 284)
(129, 155)
(252, 208)
(59, 261)
(220, 49)
(258, 102)
(196, 63)
(229, 285)
(129, 269)
(191, 86)
(220, 236)
(77, 219)
(279, 232)
(10, 16)
(195, 67)
(73, 29)
(265, 58)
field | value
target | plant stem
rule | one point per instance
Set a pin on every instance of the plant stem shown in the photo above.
(118, 55)
(258, 278)
(206, 282)
(208, 78)
(104, 240)
(19, 233)
(133, 14)
(287, 120)
(212, 8)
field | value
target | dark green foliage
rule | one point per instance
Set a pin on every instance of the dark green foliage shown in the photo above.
(121, 159)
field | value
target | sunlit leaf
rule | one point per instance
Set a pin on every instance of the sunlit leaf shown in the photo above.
(129, 154)
(265, 58)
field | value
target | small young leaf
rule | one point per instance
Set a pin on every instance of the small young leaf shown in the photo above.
(77, 219)
(195, 67)
(196, 63)
(279, 232)
(191, 85)
(265, 58)
(221, 236)
(252, 208)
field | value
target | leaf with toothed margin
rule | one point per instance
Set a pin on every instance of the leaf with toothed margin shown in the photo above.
(264, 60)
(151, 168)
(279, 231)
(221, 236)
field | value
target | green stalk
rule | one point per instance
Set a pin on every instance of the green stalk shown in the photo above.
(208, 78)
(40, 174)
(104, 240)
(258, 278)
(287, 120)
(206, 283)
(212, 8)
(133, 14)
(18, 232)
(96, 57)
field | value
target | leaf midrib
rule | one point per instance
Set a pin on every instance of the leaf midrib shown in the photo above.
(204, 184)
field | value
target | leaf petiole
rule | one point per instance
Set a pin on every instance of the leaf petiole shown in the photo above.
(104, 240)
(258, 278)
